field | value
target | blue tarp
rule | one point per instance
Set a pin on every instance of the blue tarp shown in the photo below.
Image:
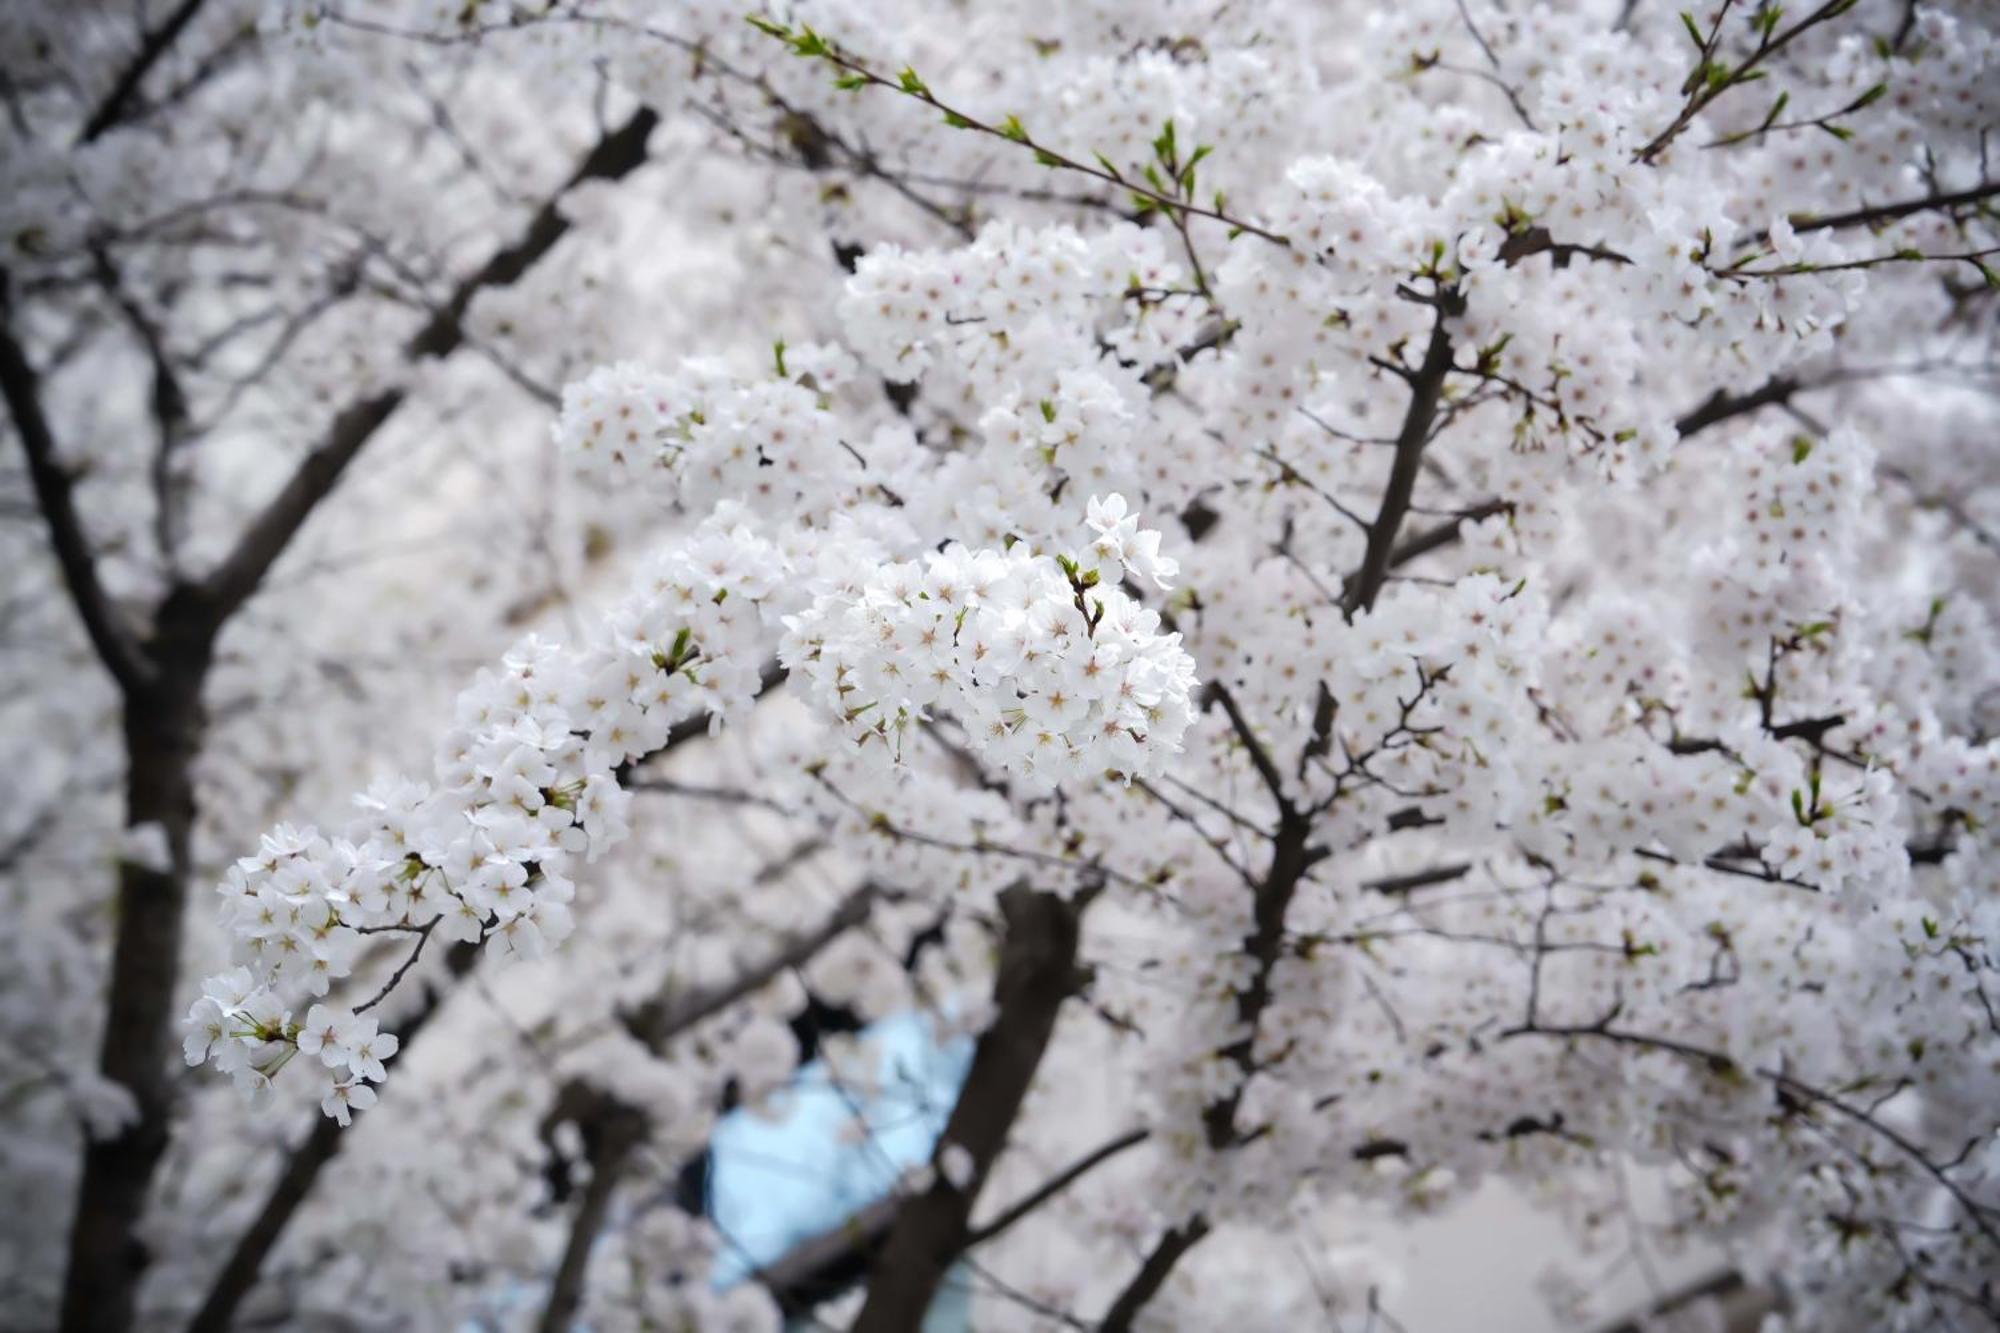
(796, 1169)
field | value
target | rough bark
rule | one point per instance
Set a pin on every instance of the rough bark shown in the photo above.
(1037, 972)
(163, 733)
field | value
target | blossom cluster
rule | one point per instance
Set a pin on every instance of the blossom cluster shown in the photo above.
(1053, 671)
(251, 1039)
(703, 435)
(524, 789)
(1553, 707)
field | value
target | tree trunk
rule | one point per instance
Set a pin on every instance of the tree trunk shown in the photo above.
(1037, 973)
(163, 729)
(610, 1132)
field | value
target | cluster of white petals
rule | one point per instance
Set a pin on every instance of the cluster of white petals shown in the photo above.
(1541, 732)
(525, 789)
(1053, 671)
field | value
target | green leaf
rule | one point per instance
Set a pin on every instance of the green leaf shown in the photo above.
(1013, 129)
(1869, 98)
(911, 84)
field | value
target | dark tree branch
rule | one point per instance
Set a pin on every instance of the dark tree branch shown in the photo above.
(659, 1020)
(1878, 213)
(1426, 391)
(55, 495)
(1291, 858)
(1812, 730)
(1538, 241)
(1152, 1275)
(610, 1130)
(1743, 1305)
(1420, 879)
(117, 104)
(239, 1272)
(1291, 854)
(233, 581)
(1055, 1185)
(1720, 406)
(1260, 756)
(1419, 544)
(1712, 77)
(169, 401)
(1037, 972)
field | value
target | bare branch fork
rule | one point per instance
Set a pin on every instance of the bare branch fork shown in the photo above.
(232, 582)
(111, 634)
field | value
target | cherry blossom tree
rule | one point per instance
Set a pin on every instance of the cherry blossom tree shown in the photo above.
(1363, 599)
